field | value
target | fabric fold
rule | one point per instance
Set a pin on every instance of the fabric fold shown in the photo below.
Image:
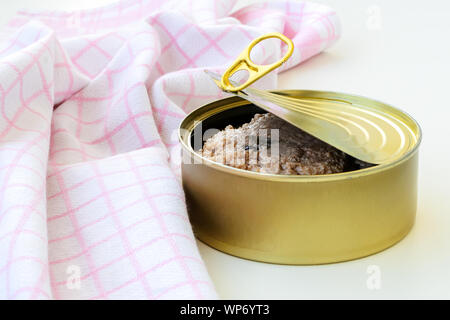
(91, 200)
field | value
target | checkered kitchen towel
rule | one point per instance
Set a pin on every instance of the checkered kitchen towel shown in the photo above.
(91, 206)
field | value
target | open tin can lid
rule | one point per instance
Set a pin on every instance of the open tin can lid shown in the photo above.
(374, 135)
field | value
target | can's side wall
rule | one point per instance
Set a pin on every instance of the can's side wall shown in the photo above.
(301, 222)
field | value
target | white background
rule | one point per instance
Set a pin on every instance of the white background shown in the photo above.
(394, 51)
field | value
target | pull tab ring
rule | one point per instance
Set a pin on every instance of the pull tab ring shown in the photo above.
(243, 62)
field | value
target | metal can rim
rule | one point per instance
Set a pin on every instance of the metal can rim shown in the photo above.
(235, 101)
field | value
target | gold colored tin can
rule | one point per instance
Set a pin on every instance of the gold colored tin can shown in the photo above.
(299, 219)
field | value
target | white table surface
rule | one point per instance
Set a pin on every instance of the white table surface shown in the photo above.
(397, 52)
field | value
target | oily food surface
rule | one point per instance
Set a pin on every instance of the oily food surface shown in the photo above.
(269, 144)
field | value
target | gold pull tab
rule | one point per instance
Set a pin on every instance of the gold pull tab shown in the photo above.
(255, 71)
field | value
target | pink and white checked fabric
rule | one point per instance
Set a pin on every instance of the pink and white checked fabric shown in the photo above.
(89, 159)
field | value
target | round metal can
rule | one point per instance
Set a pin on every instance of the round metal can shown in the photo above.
(294, 219)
